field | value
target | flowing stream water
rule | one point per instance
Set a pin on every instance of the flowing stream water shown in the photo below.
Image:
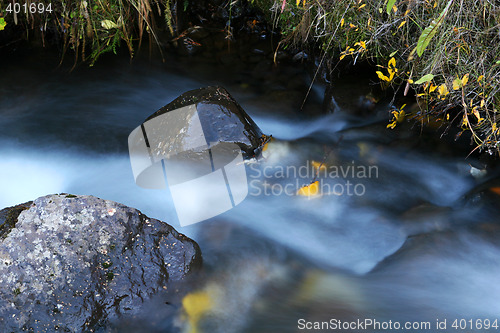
(414, 244)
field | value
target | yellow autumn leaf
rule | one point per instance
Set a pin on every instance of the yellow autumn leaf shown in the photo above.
(457, 84)
(382, 76)
(364, 149)
(392, 63)
(352, 25)
(392, 125)
(476, 113)
(309, 190)
(432, 88)
(482, 103)
(443, 90)
(342, 56)
(480, 78)
(362, 44)
(465, 122)
(342, 22)
(195, 305)
(362, 6)
(494, 127)
(401, 24)
(465, 79)
(399, 116)
(298, 3)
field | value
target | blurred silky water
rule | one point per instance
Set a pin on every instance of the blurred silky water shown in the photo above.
(418, 245)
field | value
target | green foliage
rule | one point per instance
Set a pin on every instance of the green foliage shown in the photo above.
(390, 4)
(431, 30)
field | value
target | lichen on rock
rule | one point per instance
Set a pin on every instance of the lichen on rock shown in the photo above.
(72, 263)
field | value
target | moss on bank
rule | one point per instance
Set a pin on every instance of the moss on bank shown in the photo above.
(446, 52)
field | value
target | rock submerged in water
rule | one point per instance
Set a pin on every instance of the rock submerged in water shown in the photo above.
(74, 263)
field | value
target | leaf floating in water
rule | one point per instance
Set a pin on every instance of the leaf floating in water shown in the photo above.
(310, 190)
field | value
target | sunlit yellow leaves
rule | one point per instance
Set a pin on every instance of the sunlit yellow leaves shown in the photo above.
(401, 24)
(397, 117)
(442, 91)
(383, 77)
(459, 83)
(359, 8)
(310, 190)
(392, 63)
(495, 190)
(391, 69)
(465, 121)
(2, 23)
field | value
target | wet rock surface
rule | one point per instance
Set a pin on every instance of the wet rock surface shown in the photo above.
(222, 119)
(76, 263)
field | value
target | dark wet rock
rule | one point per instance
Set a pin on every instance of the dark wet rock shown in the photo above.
(222, 118)
(74, 263)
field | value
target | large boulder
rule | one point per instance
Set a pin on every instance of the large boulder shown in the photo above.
(73, 263)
